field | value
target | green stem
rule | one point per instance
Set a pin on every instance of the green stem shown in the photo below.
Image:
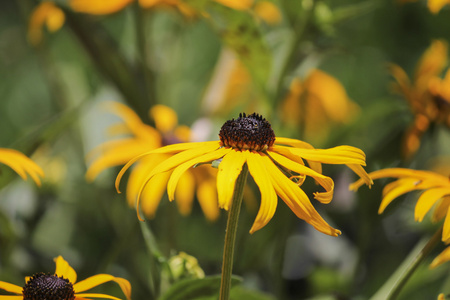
(230, 235)
(404, 277)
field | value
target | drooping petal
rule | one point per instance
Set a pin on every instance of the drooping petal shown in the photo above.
(99, 279)
(64, 269)
(427, 200)
(297, 201)
(326, 182)
(396, 189)
(256, 165)
(183, 167)
(9, 287)
(229, 170)
(184, 193)
(170, 149)
(21, 164)
(150, 197)
(441, 208)
(336, 155)
(98, 7)
(441, 258)
(359, 170)
(207, 198)
(316, 166)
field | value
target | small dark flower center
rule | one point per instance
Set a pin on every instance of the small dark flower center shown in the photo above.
(48, 287)
(247, 132)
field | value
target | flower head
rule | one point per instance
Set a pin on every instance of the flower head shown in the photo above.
(436, 189)
(276, 164)
(62, 285)
(21, 164)
(427, 95)
(141, 138)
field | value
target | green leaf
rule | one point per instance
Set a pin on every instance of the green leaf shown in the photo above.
(239, 293)
(190, 289)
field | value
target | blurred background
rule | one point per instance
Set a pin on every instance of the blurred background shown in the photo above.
(319, 71)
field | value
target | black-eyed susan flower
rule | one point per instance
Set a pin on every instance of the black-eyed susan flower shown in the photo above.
(436, 192)
(21, 164)
(62, 285)
(315, 103)
(48, 14)
(136, 138)
(276, 164)
(426, 94)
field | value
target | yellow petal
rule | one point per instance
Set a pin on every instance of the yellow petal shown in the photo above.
(297, 201)
(183, 167)
(403, 84)
(427, 200)
(84, 296)
(316, 166)
(229, 169)
(207, 198)
(396, 189)
(236, 4)
(21, 164)
(9, 287)
(359, 170)
(165, 118)
(64, 269)
(441, 209)
(184, 192)
(96, 280)
(441, 258)
(151, 195)
(431, 63)
(336, 155)
(45, 13)
(256, 165)
(268, 11)
(11, 297)
(326, 182)
(98, 7)
(436, 5)
(446, 229)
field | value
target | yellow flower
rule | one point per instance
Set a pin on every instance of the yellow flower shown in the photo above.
(268, 12)
(276, 165)
(63, 284)
(316, 103)
(434, 6)
(101, 7)
(142, 138)
(21, 164)
(46, 13)
(427, 95)
(436, 191)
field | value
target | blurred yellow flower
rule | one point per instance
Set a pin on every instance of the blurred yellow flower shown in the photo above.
(101, 7)
(21, 164)
(428, 95)
(142, 138)
(276, 165)
(268, 12)
(434, 6)
(62, 285)
(316, 103)
(46, 13)
(436, 189)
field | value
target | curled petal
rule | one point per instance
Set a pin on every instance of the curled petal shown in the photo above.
(99, 279)
(427, 200)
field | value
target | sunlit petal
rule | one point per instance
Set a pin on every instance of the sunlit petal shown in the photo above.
(98, 7)
(99, 279)
(165, 118)
(236, 4)
(359, 170)
(436, 5)
(9, 287)
(256, 165)
(229, 169)
(316, 166)
(395, 190)
(427, 200)
(64, 269)
(21, 164)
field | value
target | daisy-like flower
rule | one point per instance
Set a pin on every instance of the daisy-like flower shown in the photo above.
(323, 100)
(46, 13)
(427, 96)
(62, 285)
(141, 138)
(436, 192)
(21, 164)
(276, 164)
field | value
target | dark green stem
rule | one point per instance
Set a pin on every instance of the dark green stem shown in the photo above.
(230, 235)
(404, 277)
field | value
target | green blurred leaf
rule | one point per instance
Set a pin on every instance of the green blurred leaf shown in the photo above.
(239, 293)
(188, 289)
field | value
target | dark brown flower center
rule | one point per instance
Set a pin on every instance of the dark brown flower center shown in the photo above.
(48, 287)
(247, 132)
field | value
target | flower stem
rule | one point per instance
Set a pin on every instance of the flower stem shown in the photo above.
(404, 277)
(230, 234)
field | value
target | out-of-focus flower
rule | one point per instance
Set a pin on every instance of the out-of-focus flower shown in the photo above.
(21, 164)
(62, 285)
(101, 7)
(46, 13)
(276, 165)
(434, 6)
(436, 189)
(268, 12)
(142, 138)
(428, 95)
(316, 103)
